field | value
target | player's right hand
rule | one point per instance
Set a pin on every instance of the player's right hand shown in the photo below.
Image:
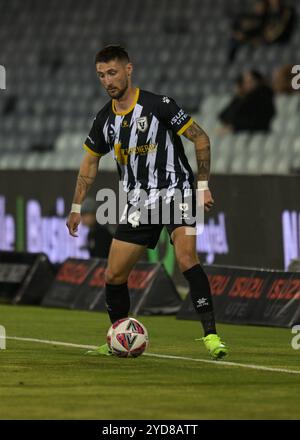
(72, 223)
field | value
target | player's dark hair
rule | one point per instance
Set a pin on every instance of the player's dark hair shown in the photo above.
(112, 52)
(257, 75)
(239, 80)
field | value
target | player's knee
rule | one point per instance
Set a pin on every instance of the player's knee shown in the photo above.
(114, 277)
(186, 261)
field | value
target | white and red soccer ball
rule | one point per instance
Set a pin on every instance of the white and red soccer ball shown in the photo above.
(127, 338)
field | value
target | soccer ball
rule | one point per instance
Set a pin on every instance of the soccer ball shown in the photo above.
(127, 338)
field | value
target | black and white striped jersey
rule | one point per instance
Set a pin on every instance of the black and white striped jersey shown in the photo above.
(145, 142)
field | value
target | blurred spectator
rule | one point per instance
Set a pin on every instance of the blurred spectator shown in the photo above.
(271, 21)
(282, 79)
(99, 237)
(253, 108)
(228, 112)
(280, 22)
(248, 28)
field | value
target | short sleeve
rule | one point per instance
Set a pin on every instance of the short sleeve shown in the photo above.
(173, 116)
(95, 143)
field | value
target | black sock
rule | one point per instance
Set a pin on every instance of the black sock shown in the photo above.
(201, 297)
(117, 301)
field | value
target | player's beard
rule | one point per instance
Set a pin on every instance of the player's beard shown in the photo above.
(120, 92)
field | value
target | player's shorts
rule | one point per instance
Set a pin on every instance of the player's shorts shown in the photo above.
(148, 233)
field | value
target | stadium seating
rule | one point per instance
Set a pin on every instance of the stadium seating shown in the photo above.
(53, 94)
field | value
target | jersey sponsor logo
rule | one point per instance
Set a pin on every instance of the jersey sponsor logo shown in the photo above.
(179, 117)
(142, 124)
(125, 124)
(142, 149)
(121, 154)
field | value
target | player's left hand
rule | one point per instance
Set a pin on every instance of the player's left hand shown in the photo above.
(206, 198)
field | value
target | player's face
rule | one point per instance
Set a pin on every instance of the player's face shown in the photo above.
(249, 82)
(115, 77)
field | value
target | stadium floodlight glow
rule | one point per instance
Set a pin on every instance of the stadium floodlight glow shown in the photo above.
(2, 77)
(2, 338)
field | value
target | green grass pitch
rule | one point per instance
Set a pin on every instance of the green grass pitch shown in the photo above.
(40, 381)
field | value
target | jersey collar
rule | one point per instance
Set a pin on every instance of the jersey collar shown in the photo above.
(137, 94)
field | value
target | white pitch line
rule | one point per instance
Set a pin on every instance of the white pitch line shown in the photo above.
(164, 356)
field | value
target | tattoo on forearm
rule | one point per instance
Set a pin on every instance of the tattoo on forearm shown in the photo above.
(83, 184)
(203, 161)
(193, 132)
(198, 136)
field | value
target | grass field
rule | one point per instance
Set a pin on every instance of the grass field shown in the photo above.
(40, 381)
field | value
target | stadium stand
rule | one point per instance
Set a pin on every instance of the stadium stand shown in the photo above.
(52, 92)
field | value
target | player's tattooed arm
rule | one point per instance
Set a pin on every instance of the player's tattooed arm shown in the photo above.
(86, 176)
(197, 135)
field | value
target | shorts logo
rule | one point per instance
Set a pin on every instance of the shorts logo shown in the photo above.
(134, 219)
(142, 124)
(202, 302)
(184, 207)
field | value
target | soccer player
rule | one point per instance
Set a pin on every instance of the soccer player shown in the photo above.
(142, 131)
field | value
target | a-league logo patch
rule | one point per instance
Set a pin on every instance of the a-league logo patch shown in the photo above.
(142, 124)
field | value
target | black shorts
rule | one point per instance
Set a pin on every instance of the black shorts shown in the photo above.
(148, 233)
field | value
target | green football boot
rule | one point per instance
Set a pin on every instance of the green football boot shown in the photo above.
(216, 348)
(103, 350)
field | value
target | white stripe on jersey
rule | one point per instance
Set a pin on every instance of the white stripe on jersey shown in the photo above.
(105, 131)
(151, 157)
(133, 158)
(118, 121)
(170, 166)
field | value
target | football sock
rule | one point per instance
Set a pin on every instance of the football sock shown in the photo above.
(201, 297)
(117, 301)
